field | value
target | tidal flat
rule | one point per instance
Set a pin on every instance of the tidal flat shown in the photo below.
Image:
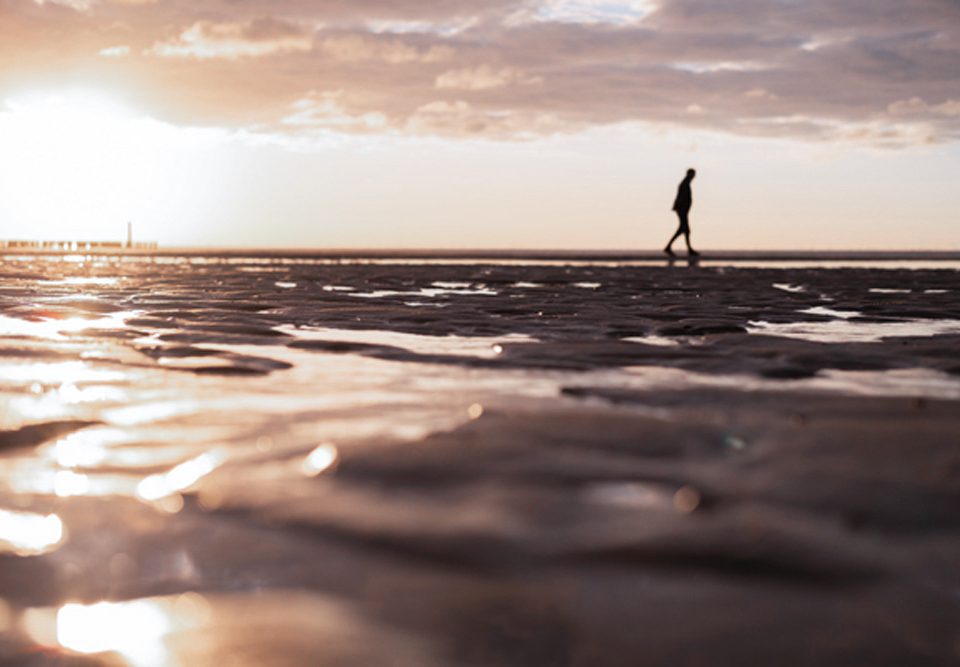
(289, 461)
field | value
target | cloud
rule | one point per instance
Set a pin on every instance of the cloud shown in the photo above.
(623, 12)
(883, 71)
(77, 5)
(484, 77)
(327, 111)
(358, 47)
(461, 119)
(259, 37)
(916, 106)
(115, 51)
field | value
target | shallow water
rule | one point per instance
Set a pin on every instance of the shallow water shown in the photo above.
(498, 473)
(843, 330)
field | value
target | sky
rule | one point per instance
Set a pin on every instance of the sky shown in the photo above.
(566, 124)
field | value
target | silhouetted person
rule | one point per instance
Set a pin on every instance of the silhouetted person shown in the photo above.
(682, 205)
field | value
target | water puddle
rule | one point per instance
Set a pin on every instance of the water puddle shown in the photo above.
(425, 304)
(830, 312)
(429, 292)
(462, 346)
(661, 341)
(916, 382)
(787, 287)
(847, 331)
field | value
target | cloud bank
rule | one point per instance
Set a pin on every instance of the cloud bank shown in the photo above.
(885, 72)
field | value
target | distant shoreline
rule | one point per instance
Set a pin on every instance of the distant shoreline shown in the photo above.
(487, 254)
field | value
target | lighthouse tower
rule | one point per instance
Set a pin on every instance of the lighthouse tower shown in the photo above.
(129, 235)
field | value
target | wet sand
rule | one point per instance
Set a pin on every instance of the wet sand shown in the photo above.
(285, 461)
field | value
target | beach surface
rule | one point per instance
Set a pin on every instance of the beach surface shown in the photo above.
(239, 460)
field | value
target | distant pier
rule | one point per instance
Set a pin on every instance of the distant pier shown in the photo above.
(76, 246)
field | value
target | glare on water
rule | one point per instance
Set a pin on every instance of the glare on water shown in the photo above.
(133, 629)
(28, 534)
(137, 631)
(181, 477)
(53, 328)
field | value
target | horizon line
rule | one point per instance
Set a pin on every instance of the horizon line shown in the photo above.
(500, 253)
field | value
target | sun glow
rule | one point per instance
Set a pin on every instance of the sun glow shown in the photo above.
(78, 165)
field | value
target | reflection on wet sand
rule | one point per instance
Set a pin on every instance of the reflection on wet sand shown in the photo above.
(287, 628)
(320, 460)
(481, 347)
(27, 534)
(248, 461)
(845, 329)
(137, 631)
(132, 629)
(180, 478)
(47, 325)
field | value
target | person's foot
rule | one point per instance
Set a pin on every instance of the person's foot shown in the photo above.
(669, 251)
(692, 253)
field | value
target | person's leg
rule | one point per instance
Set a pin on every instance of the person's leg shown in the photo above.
(676, 235)
(680, 228)
(685, 226)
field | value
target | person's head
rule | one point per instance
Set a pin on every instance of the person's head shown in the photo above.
(691, 173)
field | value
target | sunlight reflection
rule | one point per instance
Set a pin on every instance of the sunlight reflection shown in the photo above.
(898, 382)
(662, 341)
(133, 415)
(82, 449)
(181, 477)
(53, 329)
(830, 312)
(135, 630)
(26, 534)
(102, 282)
(464, 346)
(426, 291)
(844, 330)
(39, 401)
(320, 460)
(112, 447)
(67, 483)
(36, 478)
(67, 372)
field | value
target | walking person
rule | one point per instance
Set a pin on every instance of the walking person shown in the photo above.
(682, 205)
